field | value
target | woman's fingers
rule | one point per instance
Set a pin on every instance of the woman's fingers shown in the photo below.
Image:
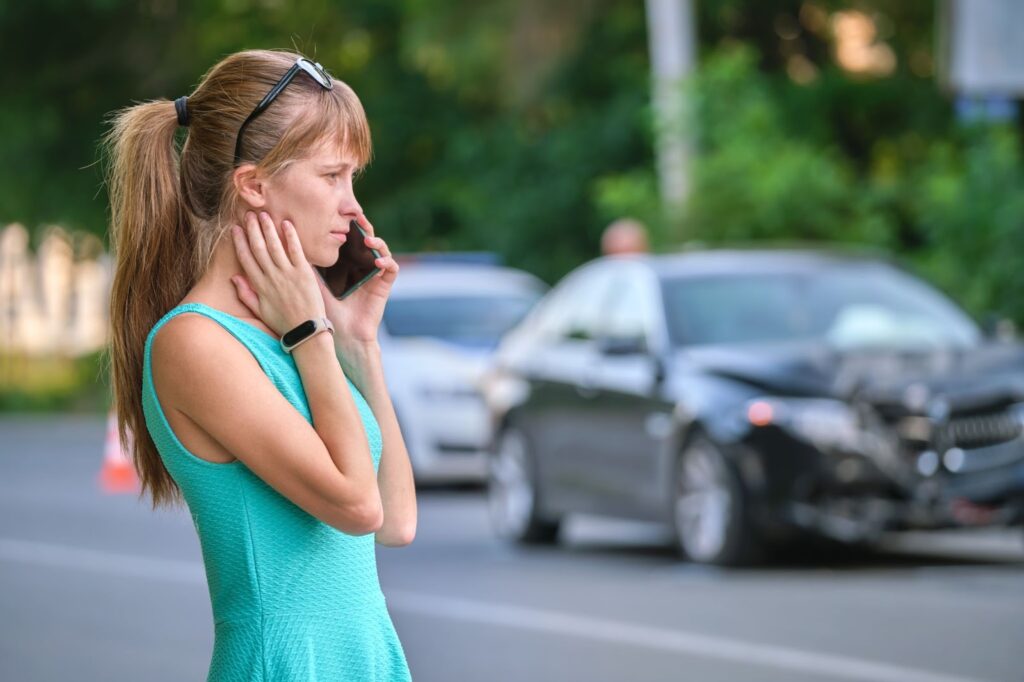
(386, 264)
(257, 243)
(293, 246)
(365, 223)
(273, 241)
(244, 253)
(379, 244)
(246, 294)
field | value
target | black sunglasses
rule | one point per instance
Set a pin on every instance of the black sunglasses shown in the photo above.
(313, 69)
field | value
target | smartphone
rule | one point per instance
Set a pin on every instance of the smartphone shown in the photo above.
(355, 265)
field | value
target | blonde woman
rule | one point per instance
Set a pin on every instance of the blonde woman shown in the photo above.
(290, 459)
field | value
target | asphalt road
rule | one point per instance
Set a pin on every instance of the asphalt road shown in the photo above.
(99, 587)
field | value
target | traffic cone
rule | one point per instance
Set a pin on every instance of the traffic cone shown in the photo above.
(118, 474)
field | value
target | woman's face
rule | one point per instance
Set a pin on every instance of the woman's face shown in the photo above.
(316, 195)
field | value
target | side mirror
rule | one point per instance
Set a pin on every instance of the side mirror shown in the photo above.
(659, 370)
(623, 345)
(999, 328)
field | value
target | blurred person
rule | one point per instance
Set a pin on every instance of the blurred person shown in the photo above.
(290, 459)
(624, 236)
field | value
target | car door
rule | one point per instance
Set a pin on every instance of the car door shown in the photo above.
(559, 412)
(631, 416)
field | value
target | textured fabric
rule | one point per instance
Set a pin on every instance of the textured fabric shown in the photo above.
(292, 597)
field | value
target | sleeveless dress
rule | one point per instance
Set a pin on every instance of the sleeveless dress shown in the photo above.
(292, 597)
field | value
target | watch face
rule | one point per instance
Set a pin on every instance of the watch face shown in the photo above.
(302, 331)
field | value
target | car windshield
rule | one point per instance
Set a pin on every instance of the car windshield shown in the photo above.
(847, 307)
(463, 319)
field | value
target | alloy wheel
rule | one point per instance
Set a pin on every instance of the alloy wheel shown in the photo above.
(704, 502)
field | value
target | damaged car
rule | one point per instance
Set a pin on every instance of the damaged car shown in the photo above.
(750, 398)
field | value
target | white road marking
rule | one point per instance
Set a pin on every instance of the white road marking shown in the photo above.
(707, 646)
(588, 627)
(111, 563)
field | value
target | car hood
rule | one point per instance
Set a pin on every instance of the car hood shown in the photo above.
(983, 373)
(425, 360)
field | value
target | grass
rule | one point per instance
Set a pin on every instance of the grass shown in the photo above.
(53, 383)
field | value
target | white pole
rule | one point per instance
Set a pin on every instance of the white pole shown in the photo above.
(670, 30)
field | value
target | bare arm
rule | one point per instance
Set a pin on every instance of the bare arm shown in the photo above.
(336, 419)
(324, 468)
(362, 364)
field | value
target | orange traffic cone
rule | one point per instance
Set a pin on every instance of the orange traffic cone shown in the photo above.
(118, 474)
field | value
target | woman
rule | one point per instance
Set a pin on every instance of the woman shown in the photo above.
(291, 462)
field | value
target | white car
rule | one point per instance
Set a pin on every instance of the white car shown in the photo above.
(441, 325)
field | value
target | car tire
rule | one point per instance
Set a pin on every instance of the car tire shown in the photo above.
(710, 520)
(513, 503)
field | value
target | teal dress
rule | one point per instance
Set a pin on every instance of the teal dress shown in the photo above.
(293, 598)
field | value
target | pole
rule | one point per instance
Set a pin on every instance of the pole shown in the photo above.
(670, 30)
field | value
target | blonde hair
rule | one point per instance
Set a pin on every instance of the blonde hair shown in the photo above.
(169, 209)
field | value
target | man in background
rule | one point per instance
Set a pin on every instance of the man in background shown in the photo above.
(624, 236)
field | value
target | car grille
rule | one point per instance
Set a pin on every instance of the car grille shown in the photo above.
(967, 431)
(977, 431)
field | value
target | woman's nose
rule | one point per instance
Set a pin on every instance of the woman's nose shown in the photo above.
(351, 209)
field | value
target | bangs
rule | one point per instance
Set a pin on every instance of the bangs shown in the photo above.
(332, 116)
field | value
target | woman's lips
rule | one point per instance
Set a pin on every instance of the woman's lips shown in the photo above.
(340, 236)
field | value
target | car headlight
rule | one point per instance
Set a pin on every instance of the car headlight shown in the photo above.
(502, 390)
(824, 422)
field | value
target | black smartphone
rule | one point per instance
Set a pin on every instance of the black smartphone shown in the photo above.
(355, 265)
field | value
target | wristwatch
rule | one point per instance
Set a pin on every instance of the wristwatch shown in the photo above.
(304, 332)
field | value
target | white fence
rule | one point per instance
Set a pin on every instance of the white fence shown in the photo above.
(53, 301)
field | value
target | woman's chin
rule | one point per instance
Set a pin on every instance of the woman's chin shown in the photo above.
(326, 260)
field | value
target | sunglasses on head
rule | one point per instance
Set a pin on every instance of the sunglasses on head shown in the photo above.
(312, 69)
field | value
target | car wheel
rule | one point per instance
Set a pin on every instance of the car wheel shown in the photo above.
(710, 519)
(512, 492)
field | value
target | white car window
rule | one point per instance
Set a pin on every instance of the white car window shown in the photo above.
(630, 310)
(574, 308)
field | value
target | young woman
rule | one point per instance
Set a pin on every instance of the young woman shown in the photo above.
(290, 459)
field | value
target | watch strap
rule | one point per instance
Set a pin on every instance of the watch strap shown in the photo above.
(303, 332)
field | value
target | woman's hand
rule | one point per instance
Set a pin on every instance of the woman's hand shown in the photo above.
(357, 317)
(280, 286)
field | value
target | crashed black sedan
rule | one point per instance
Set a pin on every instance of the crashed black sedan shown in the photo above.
(752, 398)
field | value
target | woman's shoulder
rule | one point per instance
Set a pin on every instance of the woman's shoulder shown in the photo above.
(192, 351)
(187, 337)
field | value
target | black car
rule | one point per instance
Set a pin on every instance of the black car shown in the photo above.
(751, 398)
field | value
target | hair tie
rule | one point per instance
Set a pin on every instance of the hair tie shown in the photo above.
(182, 109)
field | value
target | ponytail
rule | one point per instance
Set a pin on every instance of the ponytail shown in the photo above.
(170, 210)
(151, 237)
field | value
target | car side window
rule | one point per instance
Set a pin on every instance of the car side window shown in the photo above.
(630, 307)
(576, 307)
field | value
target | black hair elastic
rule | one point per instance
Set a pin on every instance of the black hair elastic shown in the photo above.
(182, 109)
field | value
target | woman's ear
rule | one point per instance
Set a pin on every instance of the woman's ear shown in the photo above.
(250, 185)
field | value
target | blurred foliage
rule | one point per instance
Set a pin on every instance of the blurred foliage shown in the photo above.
(523, 127)
(755, 180)
(45, 384)
(949, 202)
(492, 121)
(969, 196)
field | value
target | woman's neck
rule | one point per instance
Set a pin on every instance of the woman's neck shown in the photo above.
(214, 287)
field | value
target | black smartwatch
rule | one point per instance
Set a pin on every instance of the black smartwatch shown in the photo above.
(303, 332)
